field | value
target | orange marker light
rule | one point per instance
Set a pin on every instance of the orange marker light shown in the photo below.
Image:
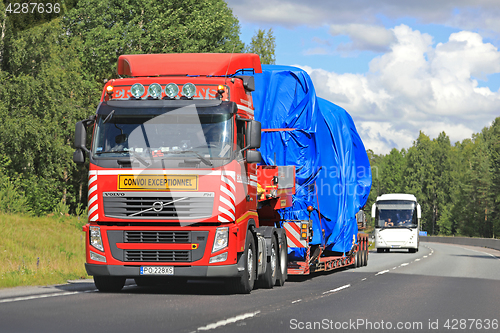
(109, 90)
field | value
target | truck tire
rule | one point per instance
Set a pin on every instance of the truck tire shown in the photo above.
(245, 283)
(365, 262)
(282, 271)
(268, 279)
(361, 253)
(109, 284)
(379, 250)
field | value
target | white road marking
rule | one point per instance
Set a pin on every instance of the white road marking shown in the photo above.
(299, 300)
(228, 321)
(394, 267)
(481, 252)
(363, 279)
(337, 289)
(27, 298)
(382, 272)
(425, 256)
(417, 259)
(405, 264)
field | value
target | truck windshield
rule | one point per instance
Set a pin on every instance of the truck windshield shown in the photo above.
(396, 214)
(165, 136)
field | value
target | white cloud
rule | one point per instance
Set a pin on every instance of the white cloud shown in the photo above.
(416, 86)
(462, 14)
(364, 37)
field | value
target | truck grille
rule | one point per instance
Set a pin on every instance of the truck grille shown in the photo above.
(153, 255)
(157, 237)
(147, 205)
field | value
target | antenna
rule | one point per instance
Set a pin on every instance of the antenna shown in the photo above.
(229, 63)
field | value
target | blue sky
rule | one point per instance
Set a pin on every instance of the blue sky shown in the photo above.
(397, 66)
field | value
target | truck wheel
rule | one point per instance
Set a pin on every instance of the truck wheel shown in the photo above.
(412, 250)
(361, 253)
(379, 250)
(365, 261)
(282, 270)
(268, 280)
(244, 284)
(109, 284)
(359, 262)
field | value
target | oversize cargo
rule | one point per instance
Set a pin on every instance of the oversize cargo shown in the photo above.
(319, 138)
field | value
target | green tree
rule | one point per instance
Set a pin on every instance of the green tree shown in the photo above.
(494, 149)
(393, 166)
(110, 28)
(264, 44)
(43, 95)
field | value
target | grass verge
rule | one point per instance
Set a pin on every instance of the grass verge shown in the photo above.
(41, 250)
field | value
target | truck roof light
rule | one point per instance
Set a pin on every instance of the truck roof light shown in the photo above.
(220, 91)
(171, 90)
(137, 90)
(109, 90)
(154, 90)
(188, 90)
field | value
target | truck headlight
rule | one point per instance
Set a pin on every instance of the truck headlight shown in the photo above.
(221, 239)
(95, 238)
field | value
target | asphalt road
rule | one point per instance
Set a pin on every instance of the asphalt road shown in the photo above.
(440, 288)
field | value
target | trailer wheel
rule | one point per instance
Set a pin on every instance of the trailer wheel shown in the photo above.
(109, 284)
(365, 261)
(244, 284)
(268, 280)
(282, 271)
(359, 252)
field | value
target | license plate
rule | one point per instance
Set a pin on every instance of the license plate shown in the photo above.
(157, 270)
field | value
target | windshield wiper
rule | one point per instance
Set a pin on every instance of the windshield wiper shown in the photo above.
(108, 118)
(131, 153)
(203, 159)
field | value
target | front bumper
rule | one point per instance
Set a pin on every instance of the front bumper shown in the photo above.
(179, 271)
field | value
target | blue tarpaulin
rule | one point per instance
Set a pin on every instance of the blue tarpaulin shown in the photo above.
(332, 168)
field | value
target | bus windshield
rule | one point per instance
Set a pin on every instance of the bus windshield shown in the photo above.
(396, 214)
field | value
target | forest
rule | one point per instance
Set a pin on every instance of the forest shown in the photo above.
(53, 67)
(458, 186)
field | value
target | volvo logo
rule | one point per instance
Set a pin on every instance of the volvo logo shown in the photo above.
(158, 206)
(113, 194)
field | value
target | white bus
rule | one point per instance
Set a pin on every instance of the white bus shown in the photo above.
(397, 222)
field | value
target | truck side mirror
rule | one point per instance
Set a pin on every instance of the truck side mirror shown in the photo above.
(80, 136)
(79, 156)
(374, 208)
(253, 156)
(253, 135)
